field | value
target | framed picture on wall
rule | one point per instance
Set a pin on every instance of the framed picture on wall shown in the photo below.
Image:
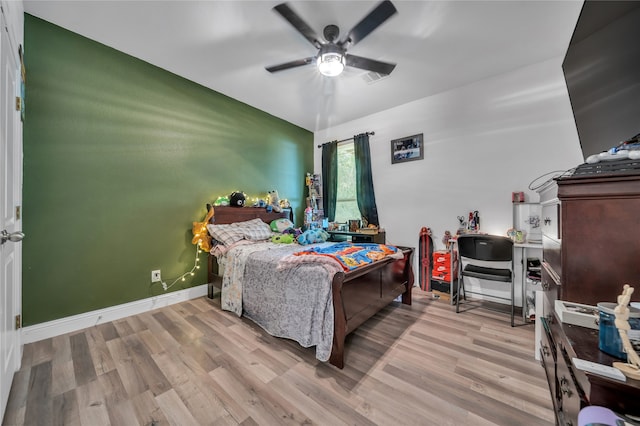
(405, 149)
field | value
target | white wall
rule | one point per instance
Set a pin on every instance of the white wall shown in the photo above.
(14, 14)
(482, 142)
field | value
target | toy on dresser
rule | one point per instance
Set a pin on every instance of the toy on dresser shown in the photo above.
(631, 368)
(273, 201)
(627, 149)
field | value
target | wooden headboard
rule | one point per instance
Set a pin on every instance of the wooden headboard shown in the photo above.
(226, 214)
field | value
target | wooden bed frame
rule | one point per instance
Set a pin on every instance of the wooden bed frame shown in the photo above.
(357, 295)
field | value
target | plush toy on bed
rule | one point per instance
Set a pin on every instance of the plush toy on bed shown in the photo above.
(280, 225)
(313, 236)
(293, 231)
(282, 239)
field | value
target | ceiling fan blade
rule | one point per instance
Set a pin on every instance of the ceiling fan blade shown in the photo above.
(369, 64)
(298, 23)
(373, 20)
(291, 64)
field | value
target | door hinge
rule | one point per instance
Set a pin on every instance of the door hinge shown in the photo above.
(18, 322)
(17, 212)
(18, 103)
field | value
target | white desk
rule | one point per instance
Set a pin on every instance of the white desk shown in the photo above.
(523, 248)
(518, 248)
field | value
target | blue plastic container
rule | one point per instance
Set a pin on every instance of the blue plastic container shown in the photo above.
(609, 337)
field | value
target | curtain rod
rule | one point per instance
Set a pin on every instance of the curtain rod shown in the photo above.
(347, 139)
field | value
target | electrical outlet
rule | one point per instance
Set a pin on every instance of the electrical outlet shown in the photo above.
(155, 276)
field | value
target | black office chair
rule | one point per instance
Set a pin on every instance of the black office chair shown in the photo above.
(485, 257)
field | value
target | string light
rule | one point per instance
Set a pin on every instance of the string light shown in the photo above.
(188, 273)
(250, 201)
(200, 232)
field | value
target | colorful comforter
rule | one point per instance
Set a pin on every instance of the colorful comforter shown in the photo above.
(351, 256)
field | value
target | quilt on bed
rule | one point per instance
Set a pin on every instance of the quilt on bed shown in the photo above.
(293, 302)
(289, 295)
(351, 256)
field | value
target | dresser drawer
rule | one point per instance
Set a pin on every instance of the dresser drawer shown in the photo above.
(551, 219)
(548, 357)
(552, 254)
(569, 393)
(550, 283)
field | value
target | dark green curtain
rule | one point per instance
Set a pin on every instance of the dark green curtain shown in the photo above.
(364, 180)
(330, 179)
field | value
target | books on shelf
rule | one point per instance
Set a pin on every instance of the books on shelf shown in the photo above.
(534, 276)
(533, 264)
(534, 269)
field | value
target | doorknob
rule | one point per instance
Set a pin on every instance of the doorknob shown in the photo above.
(13, 237)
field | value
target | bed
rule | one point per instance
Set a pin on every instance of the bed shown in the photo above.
(345, 299)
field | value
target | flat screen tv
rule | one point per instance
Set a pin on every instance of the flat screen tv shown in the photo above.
(602, 72)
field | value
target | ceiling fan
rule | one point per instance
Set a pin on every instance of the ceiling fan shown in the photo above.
(332, 54)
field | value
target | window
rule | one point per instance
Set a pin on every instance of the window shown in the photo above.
(346, 201)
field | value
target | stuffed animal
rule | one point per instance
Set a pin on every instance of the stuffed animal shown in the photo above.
(293, 231)
(281, 224)
(274, 201)
(221, 201)
(284, 203)
(282, 239)
(200, 234)
(447, 239)
(313, 236)
(237, 199)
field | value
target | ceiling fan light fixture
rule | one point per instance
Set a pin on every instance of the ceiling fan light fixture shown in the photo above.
(331, 64)
(331, 58)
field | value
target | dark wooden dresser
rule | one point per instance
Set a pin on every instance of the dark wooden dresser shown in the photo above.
(572, 389)
(591, 243)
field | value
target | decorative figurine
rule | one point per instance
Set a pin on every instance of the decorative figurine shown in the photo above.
(462, 227)
(631, 368)
(446, 239)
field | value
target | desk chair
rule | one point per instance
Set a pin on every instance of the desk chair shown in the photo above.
(485, 257)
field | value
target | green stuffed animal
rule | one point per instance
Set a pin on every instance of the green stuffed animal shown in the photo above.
(282, 239)
(281, 224)
(221, 201)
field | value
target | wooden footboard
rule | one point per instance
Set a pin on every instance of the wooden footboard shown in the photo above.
(360, 294)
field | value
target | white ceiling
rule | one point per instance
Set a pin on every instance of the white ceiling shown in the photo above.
(225, 45)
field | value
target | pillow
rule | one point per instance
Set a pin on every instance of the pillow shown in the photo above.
(226, 234)
(279, 225)
(254, 229)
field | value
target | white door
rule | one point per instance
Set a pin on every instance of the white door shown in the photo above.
(10, 223)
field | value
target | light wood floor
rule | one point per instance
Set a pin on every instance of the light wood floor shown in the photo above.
(192, 364)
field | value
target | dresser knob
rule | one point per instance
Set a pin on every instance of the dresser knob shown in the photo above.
(545, 284)
(564, 387)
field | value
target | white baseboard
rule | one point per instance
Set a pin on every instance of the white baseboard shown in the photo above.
(57, 327)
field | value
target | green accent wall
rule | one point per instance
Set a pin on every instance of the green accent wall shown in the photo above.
(120, 157)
